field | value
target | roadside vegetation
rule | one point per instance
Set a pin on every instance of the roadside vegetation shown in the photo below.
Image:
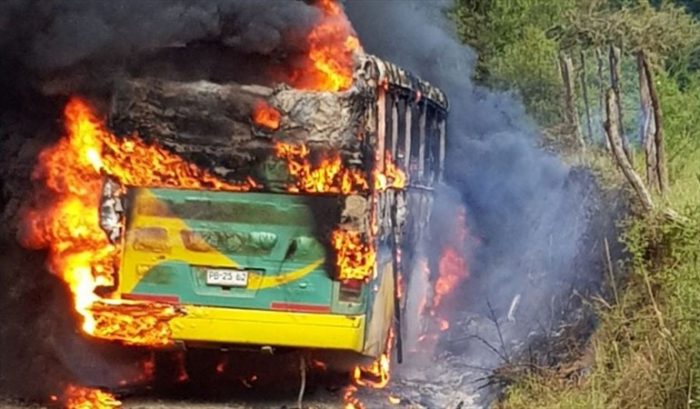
(571, 61)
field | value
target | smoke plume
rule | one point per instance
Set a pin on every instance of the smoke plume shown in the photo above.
(525, 207)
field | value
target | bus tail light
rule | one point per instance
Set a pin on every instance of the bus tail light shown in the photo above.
(350, 290)
(151, 239)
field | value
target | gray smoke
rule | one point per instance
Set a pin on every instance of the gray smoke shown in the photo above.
(524, 206)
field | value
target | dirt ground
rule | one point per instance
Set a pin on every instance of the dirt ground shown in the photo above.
(422, 382)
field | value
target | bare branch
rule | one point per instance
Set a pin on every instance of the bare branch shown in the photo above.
(611, 128)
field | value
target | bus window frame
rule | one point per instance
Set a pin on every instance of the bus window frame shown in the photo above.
(381, 129)
(394, 126)
(422, 140)
(408, 124)
(442, 142)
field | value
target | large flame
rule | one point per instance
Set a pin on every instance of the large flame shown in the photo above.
(329, 176)
(332, 44)
(66, 222)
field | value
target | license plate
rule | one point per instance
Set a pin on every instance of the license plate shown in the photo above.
(227, 278)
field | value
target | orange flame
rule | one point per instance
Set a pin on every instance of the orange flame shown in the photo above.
(67, 222)
(375, 375)
(266, 115)
(132, 323)
(392, 177)
(377, 370)
(354, 257)
(79, 397)
(330, 176)
(443, 324)
(332, 44)
(452, 269)
(352, 401)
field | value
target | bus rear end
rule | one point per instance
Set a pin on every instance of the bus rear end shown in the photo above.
(245, 268)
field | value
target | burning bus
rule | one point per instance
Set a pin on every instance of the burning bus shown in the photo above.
(220, 212)
(235, 213)
(295, 239)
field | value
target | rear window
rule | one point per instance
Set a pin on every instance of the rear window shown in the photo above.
(246, 208)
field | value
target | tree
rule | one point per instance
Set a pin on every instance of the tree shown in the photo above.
(513, 50)
(652, 35)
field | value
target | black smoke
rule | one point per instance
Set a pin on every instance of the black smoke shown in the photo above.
(50, 50)
(67, 46)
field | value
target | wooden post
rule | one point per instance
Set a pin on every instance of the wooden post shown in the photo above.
(648, 126)
(584, 94)
(661, 172)
(601, 94)
(611, 129)
(566, 67)
(614, 58)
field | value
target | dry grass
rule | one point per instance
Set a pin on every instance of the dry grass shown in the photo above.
(647, 346)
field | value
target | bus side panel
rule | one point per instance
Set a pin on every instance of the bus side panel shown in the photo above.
(381, 314)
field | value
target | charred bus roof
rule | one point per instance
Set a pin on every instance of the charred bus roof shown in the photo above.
(385, 72)
(213, 124)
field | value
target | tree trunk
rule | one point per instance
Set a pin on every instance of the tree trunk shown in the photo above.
(648, 126)
(661, 172)
(566, 67)
(584, 93)
(614, 58)
(611, 129)
(601, 94)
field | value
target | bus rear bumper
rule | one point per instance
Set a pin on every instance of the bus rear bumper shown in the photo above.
(217, 325)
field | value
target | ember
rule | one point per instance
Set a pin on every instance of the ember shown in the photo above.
(351, 401)
(375, 375)
(266, 115)
(78, 397)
